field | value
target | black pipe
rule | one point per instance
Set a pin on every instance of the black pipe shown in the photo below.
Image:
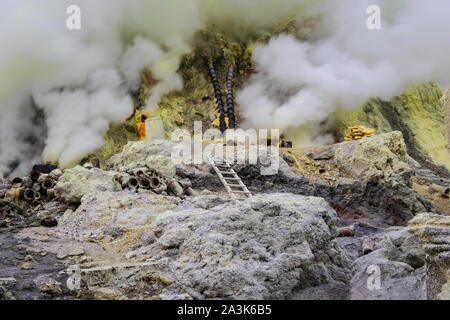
(231, 117)
(218, 93)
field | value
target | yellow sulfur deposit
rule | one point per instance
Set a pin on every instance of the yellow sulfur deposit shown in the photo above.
(358, 132)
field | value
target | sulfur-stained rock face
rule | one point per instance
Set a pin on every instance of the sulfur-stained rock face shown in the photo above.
(435, 232)
(419, 114)
(107, 212)
(380, 158)
(446, 109)
(76, 182)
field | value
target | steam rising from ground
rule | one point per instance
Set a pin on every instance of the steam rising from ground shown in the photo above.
(299, 83)
(81, 79)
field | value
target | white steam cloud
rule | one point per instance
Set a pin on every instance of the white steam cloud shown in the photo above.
(81, 79)
(299, 83)
(61, 89)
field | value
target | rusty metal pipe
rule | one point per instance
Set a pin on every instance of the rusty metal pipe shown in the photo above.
(160, 189)
(52, 193)
(133, 183)
(139, 172)
(144, 183)
(34, 175)
(47, 184)
(191, 192)
(29, 194)
(155, 183)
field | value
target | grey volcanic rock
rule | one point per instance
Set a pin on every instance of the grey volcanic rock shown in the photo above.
(398, 261)
(107, 212)
(273, 246)
(397, 280)
(379, 158)
(435, 232)
(374, 184)
(76, 182)
(136, 153)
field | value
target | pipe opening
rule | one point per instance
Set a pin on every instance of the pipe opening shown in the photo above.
(17, 180)
(154, 183)
(29, 194)
(144, 183)
(133, 183)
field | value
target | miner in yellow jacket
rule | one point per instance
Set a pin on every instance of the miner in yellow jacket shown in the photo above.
(141, 125)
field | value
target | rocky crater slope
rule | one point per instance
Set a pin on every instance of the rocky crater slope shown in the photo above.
(336, 222)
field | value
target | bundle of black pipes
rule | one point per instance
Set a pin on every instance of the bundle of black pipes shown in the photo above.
(218, 94)
(230, 98)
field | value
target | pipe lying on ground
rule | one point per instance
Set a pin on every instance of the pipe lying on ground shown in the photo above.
(17, 180)
(160, 189)
(47, 184)
(133, 183)
(34, 175)
(175, 188)
(191, 192)
(144, 183)
(155, 183)
(52, 193)
(368, 245)
(34, 203)
(347, 231)
(139, 172)
(29, 194)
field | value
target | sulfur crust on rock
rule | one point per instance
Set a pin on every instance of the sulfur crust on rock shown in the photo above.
(380, 157)
(445, 100)
(369, 115)
(418, 113)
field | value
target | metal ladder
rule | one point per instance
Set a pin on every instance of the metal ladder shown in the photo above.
(222, 167)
